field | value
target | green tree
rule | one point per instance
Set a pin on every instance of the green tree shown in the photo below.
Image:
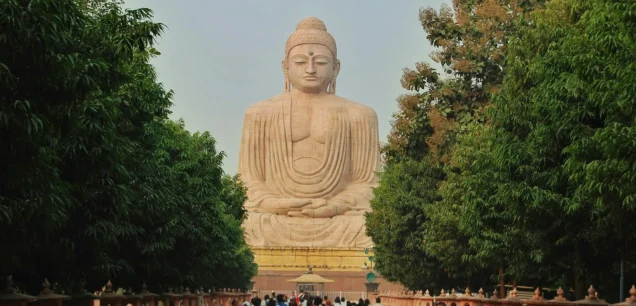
(472, 39)
(234, 194)
(58, 121)
(554, 172)
(195, 230)
(408, 183)
(484, 205)
(95, 181)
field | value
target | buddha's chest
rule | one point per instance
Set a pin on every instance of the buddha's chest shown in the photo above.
(309, 129)
(311, 123)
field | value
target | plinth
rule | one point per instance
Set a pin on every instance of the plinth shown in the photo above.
(299, 258)
(345, 266)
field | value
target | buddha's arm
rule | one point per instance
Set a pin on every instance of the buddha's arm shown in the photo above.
(365, 160)
(252, 164)
(252, 160)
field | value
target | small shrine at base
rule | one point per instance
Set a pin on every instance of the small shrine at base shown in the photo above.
(310, 282)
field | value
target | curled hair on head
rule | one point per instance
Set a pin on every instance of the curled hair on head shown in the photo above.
(311, 31)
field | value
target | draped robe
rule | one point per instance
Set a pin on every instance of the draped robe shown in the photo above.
(346, 173)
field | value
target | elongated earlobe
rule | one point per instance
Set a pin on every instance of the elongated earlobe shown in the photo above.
(286, 76)
(332, 84)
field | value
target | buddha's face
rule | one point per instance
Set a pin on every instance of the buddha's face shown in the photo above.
(311, 67)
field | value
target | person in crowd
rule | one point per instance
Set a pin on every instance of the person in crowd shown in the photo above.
(325, 300)
(306, 300)
(360, 302)
(378, 302)
(296, 298)
(256, 301)
(280, 300)
(367, 302)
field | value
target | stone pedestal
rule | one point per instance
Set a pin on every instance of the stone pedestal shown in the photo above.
(343, 265)
(299, 258)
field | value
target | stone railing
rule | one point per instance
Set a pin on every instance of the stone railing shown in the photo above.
(109, 297)
(420, 298)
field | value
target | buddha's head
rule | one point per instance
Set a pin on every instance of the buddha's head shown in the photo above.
(310, 64)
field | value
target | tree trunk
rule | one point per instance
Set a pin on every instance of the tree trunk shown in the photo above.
(579, 283)
(502, 283)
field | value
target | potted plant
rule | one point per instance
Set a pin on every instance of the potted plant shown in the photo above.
(372, 286)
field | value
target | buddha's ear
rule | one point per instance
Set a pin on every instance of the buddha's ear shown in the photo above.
(286, 75)
(284, 65)
(336, 68)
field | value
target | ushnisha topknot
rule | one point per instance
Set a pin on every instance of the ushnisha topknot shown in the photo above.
(311, 30)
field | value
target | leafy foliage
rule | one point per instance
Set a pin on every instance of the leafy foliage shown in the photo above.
(94, 178)
(472, 39)
(409, 183)
(549, 185)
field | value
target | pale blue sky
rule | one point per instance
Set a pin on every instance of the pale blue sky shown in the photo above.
(222, 56)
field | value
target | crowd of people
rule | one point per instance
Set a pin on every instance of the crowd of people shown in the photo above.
(306, 299)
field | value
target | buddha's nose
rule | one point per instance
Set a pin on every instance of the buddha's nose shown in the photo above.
(311, 69)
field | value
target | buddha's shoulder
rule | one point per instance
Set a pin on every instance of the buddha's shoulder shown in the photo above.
(356, 108)
(265, 106)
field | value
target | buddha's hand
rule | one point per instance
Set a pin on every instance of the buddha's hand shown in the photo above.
(284, 206)
(321, 208)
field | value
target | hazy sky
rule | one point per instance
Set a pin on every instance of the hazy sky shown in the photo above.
(222, 56)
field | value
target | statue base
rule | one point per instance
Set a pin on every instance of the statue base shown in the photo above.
(345, 266)
(299, 258)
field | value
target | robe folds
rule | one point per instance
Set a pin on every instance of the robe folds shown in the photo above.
(348, 172)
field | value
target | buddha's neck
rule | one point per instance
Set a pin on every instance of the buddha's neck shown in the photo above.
(300, 95)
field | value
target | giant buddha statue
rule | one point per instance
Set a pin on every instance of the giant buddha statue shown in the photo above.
(309, 157)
